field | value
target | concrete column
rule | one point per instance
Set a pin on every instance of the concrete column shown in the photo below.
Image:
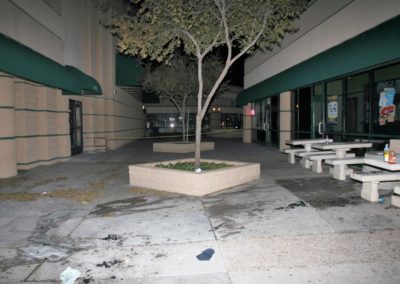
(8, 153)
(285, 119)
(246, 136)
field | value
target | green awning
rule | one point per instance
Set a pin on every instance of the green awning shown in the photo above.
(23, 62)
(372, 48)
(128, 71)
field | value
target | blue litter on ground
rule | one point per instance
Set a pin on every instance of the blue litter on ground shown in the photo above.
(205, 255)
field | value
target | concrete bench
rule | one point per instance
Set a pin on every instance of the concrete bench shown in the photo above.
(317, 160)
(340, 169)
(371, 180)
(394, 144)
(307, 163)
(292, 152)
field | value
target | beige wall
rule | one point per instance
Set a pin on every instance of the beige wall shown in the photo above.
(8, 154)
(34, 24)
(35, 129)
(36, 117)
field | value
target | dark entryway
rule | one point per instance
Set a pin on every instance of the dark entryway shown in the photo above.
(75, 126)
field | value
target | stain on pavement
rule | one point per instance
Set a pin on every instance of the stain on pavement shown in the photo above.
(130, 205)
(323, 192)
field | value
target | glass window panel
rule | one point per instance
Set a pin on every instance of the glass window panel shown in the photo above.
(385, 105)
(78, 137)
(304, 109)
(357, 104)
(78, 122)
(334, 108)
(387, 73)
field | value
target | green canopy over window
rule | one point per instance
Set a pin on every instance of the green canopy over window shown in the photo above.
(374, 47)
(128, 71)
(23, 62)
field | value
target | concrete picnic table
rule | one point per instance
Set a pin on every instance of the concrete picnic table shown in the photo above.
(306, 143)
(341, 148)
(377, 161)
(371, 179)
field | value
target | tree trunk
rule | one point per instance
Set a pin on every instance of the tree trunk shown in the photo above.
(198, 141)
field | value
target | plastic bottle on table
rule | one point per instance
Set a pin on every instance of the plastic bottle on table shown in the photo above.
(392, 157)
(386, 153)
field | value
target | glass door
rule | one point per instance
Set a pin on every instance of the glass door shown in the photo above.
(334, 110)
(75, 126)
(267, 128)
(303, 113)
(318, 106)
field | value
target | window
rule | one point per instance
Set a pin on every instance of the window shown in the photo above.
(334, 107)
(385, 102)
(303, 113)
(357, 104)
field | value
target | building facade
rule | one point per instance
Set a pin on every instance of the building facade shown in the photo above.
(58, 95)
(222, 116)
(339, 75)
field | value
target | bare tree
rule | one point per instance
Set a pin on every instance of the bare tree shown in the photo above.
(176, 81)
(154, 29)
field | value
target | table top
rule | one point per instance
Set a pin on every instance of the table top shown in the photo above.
(341, 145)
(306, 141)
(377, 161)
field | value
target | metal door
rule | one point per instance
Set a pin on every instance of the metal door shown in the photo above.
(75, 126)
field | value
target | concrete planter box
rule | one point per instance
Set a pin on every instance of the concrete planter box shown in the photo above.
(181, 147)
(191, 183)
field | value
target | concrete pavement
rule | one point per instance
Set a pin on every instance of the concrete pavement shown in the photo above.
(290, 226)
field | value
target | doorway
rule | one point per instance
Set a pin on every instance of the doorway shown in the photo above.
(267, 127)
(303, 113)
(75, 127)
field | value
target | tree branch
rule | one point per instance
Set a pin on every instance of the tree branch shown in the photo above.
(253, 42)
(176, 104)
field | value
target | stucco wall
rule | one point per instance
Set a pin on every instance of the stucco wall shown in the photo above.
(35, 24)
(341, 21)
(37, 125)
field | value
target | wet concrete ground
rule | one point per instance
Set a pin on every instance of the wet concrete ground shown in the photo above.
(290, 226)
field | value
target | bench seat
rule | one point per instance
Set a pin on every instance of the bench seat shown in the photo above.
(370, 182)
(315, 152)
(340, 169)
(307, 163)
(291, 153)
(345, 161)
(317, 160)
(376, 176)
